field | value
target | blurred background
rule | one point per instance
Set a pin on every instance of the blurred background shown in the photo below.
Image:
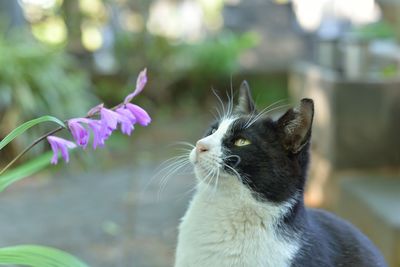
(117, 206)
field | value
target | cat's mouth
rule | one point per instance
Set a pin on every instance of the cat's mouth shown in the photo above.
(205, 164)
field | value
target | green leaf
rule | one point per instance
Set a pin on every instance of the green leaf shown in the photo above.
(25, 170)
(38, 256)
(25, 126)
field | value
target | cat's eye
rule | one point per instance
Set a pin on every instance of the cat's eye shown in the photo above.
(213, 130)
(242, 142)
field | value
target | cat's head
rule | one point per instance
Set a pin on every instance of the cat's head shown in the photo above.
(267, 156)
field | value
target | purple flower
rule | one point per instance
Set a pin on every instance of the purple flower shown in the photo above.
(80, 134)
(140, 114)
(140, 83)
(125, 114)
(61, 144)
(109, 118)
(98, 136)
(128, 120)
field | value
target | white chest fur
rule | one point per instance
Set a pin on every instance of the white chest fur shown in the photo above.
(229, 229)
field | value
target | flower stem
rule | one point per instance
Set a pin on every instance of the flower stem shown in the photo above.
(30, 146)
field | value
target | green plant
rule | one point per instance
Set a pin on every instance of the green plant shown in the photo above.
(218, 55)
(38, 256)
(377, 30)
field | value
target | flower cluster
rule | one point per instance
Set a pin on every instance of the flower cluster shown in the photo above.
(126, 115)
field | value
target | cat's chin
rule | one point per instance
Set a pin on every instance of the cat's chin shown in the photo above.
(218, 179)
(201, 173)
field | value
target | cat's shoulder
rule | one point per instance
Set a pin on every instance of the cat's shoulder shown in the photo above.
(333, 241)
(340, 232)
(330, 223)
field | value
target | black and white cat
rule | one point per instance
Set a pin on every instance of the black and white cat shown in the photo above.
(248, 210)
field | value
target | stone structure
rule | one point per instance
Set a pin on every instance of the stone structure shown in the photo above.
(277, 28)
(356, 150)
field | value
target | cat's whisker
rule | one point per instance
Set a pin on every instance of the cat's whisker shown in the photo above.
(175, 165)
(169, 174)
(230, 103)
(221, 103)
(206, 178)
(231, 156)
(187, 150)
(234, 172)
(239, 159)
(169, 163)
(216, 116)
(269, 110)
(210, 179)
(173, 169)
(165, 165)
(171, 166)
(173, 158)
(260, 115)
(183, 143)
(216, 182)
(255, 116)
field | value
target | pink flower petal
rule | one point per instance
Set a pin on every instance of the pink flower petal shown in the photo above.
(54, 147)
(127, 120)
(126, 113)
(98, 137)
(80, 134)
(57, 144)
(140, 114)
(109, 118)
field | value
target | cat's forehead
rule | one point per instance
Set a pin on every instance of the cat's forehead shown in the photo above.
(238, 124)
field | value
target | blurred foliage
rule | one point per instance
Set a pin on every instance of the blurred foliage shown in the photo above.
(377, 30)
(268, 88)
(177, 66)
(25, 170)
(36, 80)
(180, 68)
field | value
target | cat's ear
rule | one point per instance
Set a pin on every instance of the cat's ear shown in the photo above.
(295, 125)
(245, 104)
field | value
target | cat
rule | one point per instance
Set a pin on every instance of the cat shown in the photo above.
(248, 208)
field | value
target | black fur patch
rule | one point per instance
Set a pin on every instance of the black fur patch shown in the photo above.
(265, 166)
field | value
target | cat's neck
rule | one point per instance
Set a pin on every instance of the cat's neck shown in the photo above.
(231, 197)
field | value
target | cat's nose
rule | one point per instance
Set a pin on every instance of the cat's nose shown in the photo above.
(201, 147)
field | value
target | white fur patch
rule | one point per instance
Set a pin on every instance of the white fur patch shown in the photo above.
(227, 227)
(206, 165)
